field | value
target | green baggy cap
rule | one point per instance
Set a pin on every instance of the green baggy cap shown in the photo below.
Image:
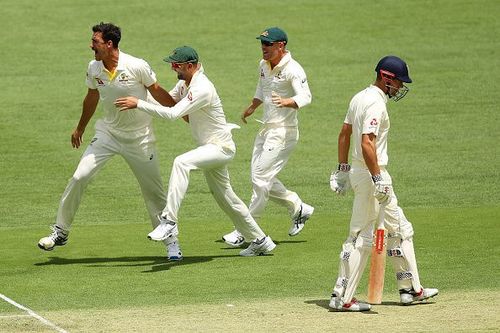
(182, 54)
(273, 34)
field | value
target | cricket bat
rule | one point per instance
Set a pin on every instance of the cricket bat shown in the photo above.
(377, 262)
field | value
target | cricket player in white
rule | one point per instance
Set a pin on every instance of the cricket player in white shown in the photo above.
(197, 101)
(367, 125)
(111, 75)
(283, 89)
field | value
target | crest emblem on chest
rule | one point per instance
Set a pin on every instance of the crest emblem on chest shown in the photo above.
(123, 78)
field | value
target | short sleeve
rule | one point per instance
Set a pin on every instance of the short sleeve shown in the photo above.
(90, 80)
(145, 74)
(372, 119)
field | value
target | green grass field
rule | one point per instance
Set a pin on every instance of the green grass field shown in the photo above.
(444, 159)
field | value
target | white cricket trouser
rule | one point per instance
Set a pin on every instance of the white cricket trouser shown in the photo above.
(140, 155)
(356, 248)
(272, 149)
(212, 160)
(365, 208)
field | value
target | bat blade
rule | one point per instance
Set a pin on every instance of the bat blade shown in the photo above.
(377, 269)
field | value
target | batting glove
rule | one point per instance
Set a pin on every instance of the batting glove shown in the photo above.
(383, 189)
(339, 179)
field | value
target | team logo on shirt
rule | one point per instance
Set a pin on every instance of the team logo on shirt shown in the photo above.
(123, 78)
(99, 81)
(278, 76)
(374, 122)
(190, 96)
(261, 73)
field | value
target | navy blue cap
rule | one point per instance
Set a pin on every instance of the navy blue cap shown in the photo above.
(395, 66)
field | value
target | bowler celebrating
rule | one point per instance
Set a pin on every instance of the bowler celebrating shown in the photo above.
(113, 74)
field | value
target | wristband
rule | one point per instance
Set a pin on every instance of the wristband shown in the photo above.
(344, 167)
(377, 178)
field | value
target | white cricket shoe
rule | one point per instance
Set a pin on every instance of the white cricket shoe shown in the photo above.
(174, 252)
(299, 221)
(58, 237)
(164, 230)
(258, 247)
(335, 303)
(353, 306)
(409, 296)
(234, 239)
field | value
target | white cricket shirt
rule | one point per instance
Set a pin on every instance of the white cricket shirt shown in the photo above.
(287, 79)
(131, 78)
(367, 114)
(201, 102)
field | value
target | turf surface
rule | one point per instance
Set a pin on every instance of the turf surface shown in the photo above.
(443, 152)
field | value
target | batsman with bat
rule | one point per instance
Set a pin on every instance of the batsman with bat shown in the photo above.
(367, 124)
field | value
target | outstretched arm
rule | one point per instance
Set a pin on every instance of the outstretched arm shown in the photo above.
(197, 100)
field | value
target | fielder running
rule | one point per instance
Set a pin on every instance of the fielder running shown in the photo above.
(367, 124)
(197, 99)
(112, 74)
(283, 89)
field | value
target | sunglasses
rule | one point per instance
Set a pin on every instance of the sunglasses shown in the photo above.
(176, 65)
(266, 43)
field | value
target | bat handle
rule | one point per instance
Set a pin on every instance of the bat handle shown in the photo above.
(381, 216)
(380, 232)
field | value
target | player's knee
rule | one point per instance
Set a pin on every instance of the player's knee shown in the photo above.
(181, 163)
(261, 185)
(394, 249)
(347, 248)
(400, 226)
(364, 241)
(81, 175)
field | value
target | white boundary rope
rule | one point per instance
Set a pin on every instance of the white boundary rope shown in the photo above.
(33, 314)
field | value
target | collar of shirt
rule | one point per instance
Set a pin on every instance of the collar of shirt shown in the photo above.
(197, 74)
(286, 58)
(195, 77)
(381, 93)
(120, 67)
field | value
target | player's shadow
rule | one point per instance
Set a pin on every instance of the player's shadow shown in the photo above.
(323, 303)
(157, 263)
(245, 245)
(392, 303)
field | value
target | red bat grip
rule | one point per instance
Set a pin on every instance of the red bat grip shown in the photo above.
(379, 240)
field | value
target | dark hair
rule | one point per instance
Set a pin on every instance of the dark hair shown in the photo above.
(109, 32)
